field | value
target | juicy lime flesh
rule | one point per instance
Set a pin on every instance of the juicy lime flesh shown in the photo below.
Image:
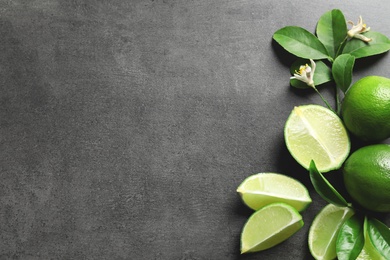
(269, 226)
(324, 229)
(262, 189)
(369, 252)
(314, 132)
(366, 176)
(366, 108)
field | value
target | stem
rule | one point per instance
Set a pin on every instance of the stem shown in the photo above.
(338, 103)
(323, 99)
(341, 46)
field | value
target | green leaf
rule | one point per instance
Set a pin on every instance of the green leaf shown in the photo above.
(322, 73)
(301, 43)
(350, 239)
(332, 30)
(380, 236)
(379, 44)
(324, 188)
(342, 71)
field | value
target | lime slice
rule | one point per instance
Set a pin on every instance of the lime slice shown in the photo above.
(316, 133)
(324, 230)
(269, 226)
(262, 189)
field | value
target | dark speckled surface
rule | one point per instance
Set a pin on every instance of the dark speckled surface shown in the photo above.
(127, 125)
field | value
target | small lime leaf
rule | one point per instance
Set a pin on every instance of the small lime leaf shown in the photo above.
(342, 71)
(301, 43)
(379, 44)
(350, 240)
(324, 188)
(332, 30)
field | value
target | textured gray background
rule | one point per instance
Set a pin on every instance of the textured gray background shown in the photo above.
(126, 126)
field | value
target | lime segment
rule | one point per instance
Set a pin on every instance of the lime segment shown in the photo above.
(269, 226)
(262, 189)
(324, 230)
(369, 252)
(313, 132)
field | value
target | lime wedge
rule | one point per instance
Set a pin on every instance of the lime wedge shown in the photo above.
(262, 189)
(313, 132)
(324, 230)
(269, 226)
(369, 252)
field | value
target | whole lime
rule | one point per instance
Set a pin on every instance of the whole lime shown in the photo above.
(366, 108)
(366, 176)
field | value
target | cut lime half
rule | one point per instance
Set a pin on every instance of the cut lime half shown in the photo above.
(313, 132)
(270, 226)
(261, 189)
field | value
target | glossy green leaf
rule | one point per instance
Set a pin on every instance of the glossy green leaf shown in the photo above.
(379, 44)
(324, 188)
(322, 73)
(342, 71)
(350, 239)
(380, 236)
(332, 30)
(301, 43)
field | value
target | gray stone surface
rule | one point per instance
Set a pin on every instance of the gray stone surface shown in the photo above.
(127, 125)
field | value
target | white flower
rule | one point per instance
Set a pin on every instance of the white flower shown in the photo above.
(357, 30)
(306, 73)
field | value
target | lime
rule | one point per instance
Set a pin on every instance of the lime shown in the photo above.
(366, 176)
(369, 252)
(262, 189)
(324, 230)
(366, 108)
(270, 226)
(313, 132)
